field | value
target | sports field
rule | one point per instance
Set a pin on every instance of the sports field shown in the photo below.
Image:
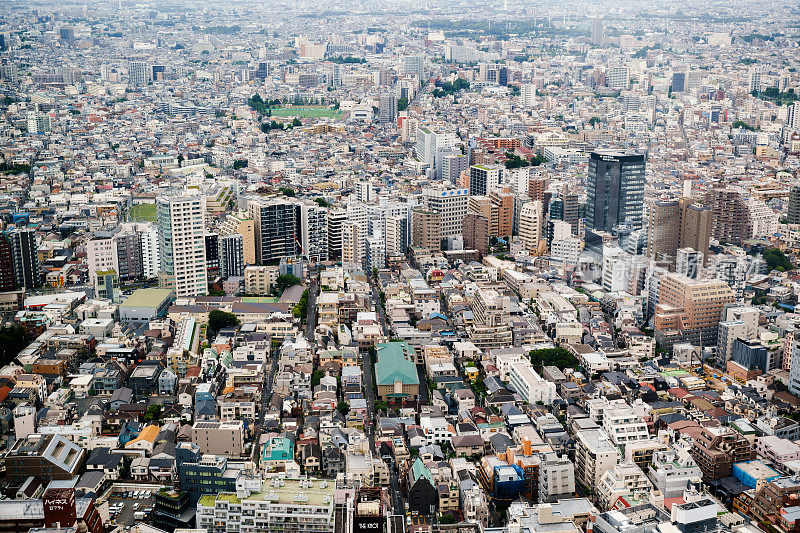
(143, 213)
(306, 112)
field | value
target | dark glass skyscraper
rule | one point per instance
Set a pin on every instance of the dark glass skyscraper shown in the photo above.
(615, 190)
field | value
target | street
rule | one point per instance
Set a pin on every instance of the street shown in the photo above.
(266, 395)
(397, 498)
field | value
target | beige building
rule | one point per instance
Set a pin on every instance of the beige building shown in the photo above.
(426, 229)
(259, 280)
(690, 309)
(243, 224)
(530, 225)
(219, 438)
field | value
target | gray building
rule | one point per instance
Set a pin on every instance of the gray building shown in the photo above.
(231, 255)
(615, 190)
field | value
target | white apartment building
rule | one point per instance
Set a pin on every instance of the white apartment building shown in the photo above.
(451, 205)
(532, 387)
(181, 242)
(150, 256)
(567, 251)
(594, 455)
(101, 254)
(622, 479)
(777, 450)
(671, 470)
(556, 478)
(291, 505)
(622, 424)
(531, 219)
(259, 280)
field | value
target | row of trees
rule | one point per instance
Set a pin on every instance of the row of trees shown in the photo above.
(445, 88)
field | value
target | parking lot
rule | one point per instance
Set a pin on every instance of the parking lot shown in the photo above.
(127, 504)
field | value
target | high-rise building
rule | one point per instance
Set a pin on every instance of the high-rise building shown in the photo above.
(527, 95)
(615, 190)
(262, 72)
(352, 243)
(38, 123)
(451, 203)
(25, 259)
(730, 217)
(530, 225)
(688, 262)
(314, 230)
(452, 167)
(678, 82)
(690, 310)
(396, 234)
(597, 31)
(231, 255)
(212, 255)
(572, 211)
(793, 117)
(794, 204)
(67, 34)
(336, 219)
(482, 205)
(432, 145)
(415, 65)
(150, 255)
(139, 73)
(484, 178)
(618, 77)
(276, 228)
(754, 78)
(475, 229)
(503, 207)
(536, 188)
(365, 191)
(387, 108)
(180, 220)
(674, 224)
(426, 228)
(242, 224)
(6, 265)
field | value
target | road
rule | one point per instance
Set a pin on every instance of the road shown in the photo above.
(266, 395)
(397, 498)
(311, 317)
(376, 294)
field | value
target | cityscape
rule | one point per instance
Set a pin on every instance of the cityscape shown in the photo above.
(404, 267)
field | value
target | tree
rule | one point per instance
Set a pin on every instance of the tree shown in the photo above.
(558, 357)
(402, 104)
(316, 377)
(343, 407)
(743, 125)
(286, 191)
(447, 519)
(153, 413)
(220, 319)
(301, 309)
(380, 405)
(285, 281)
(322, 202)
(12, 341)
(239, 163)
(296, 122)
(777, 260)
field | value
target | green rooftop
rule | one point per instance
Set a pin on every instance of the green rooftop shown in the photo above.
(395, 364)
(260, 299)
(147, 298)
